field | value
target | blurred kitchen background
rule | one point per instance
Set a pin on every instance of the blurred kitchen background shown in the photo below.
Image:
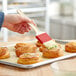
(56, 17)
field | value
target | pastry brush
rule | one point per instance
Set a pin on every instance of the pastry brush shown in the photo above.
(43, 37)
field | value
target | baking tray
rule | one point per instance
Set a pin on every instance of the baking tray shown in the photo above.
(36, 64)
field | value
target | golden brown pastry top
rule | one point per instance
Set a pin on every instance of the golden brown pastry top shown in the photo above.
(20, 45)
(3, 50)
(71, 44)
(29, 55)
(53, 49)
(27, 48)
(23, 45)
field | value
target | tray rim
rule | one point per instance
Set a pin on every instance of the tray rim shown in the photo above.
(36, 64)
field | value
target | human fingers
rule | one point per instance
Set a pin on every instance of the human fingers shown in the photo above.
(23, 29)
(17, 27)
(27, 27)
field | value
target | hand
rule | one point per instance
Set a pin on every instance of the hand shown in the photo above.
(17, 23)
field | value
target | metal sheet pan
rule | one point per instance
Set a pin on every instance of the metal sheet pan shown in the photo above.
(36, 64)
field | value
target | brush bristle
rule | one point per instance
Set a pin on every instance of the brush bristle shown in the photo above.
(44, 37)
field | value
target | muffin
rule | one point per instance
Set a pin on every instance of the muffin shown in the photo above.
(29, 58)
(31, 48)
(70, 47)
(4, 53)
